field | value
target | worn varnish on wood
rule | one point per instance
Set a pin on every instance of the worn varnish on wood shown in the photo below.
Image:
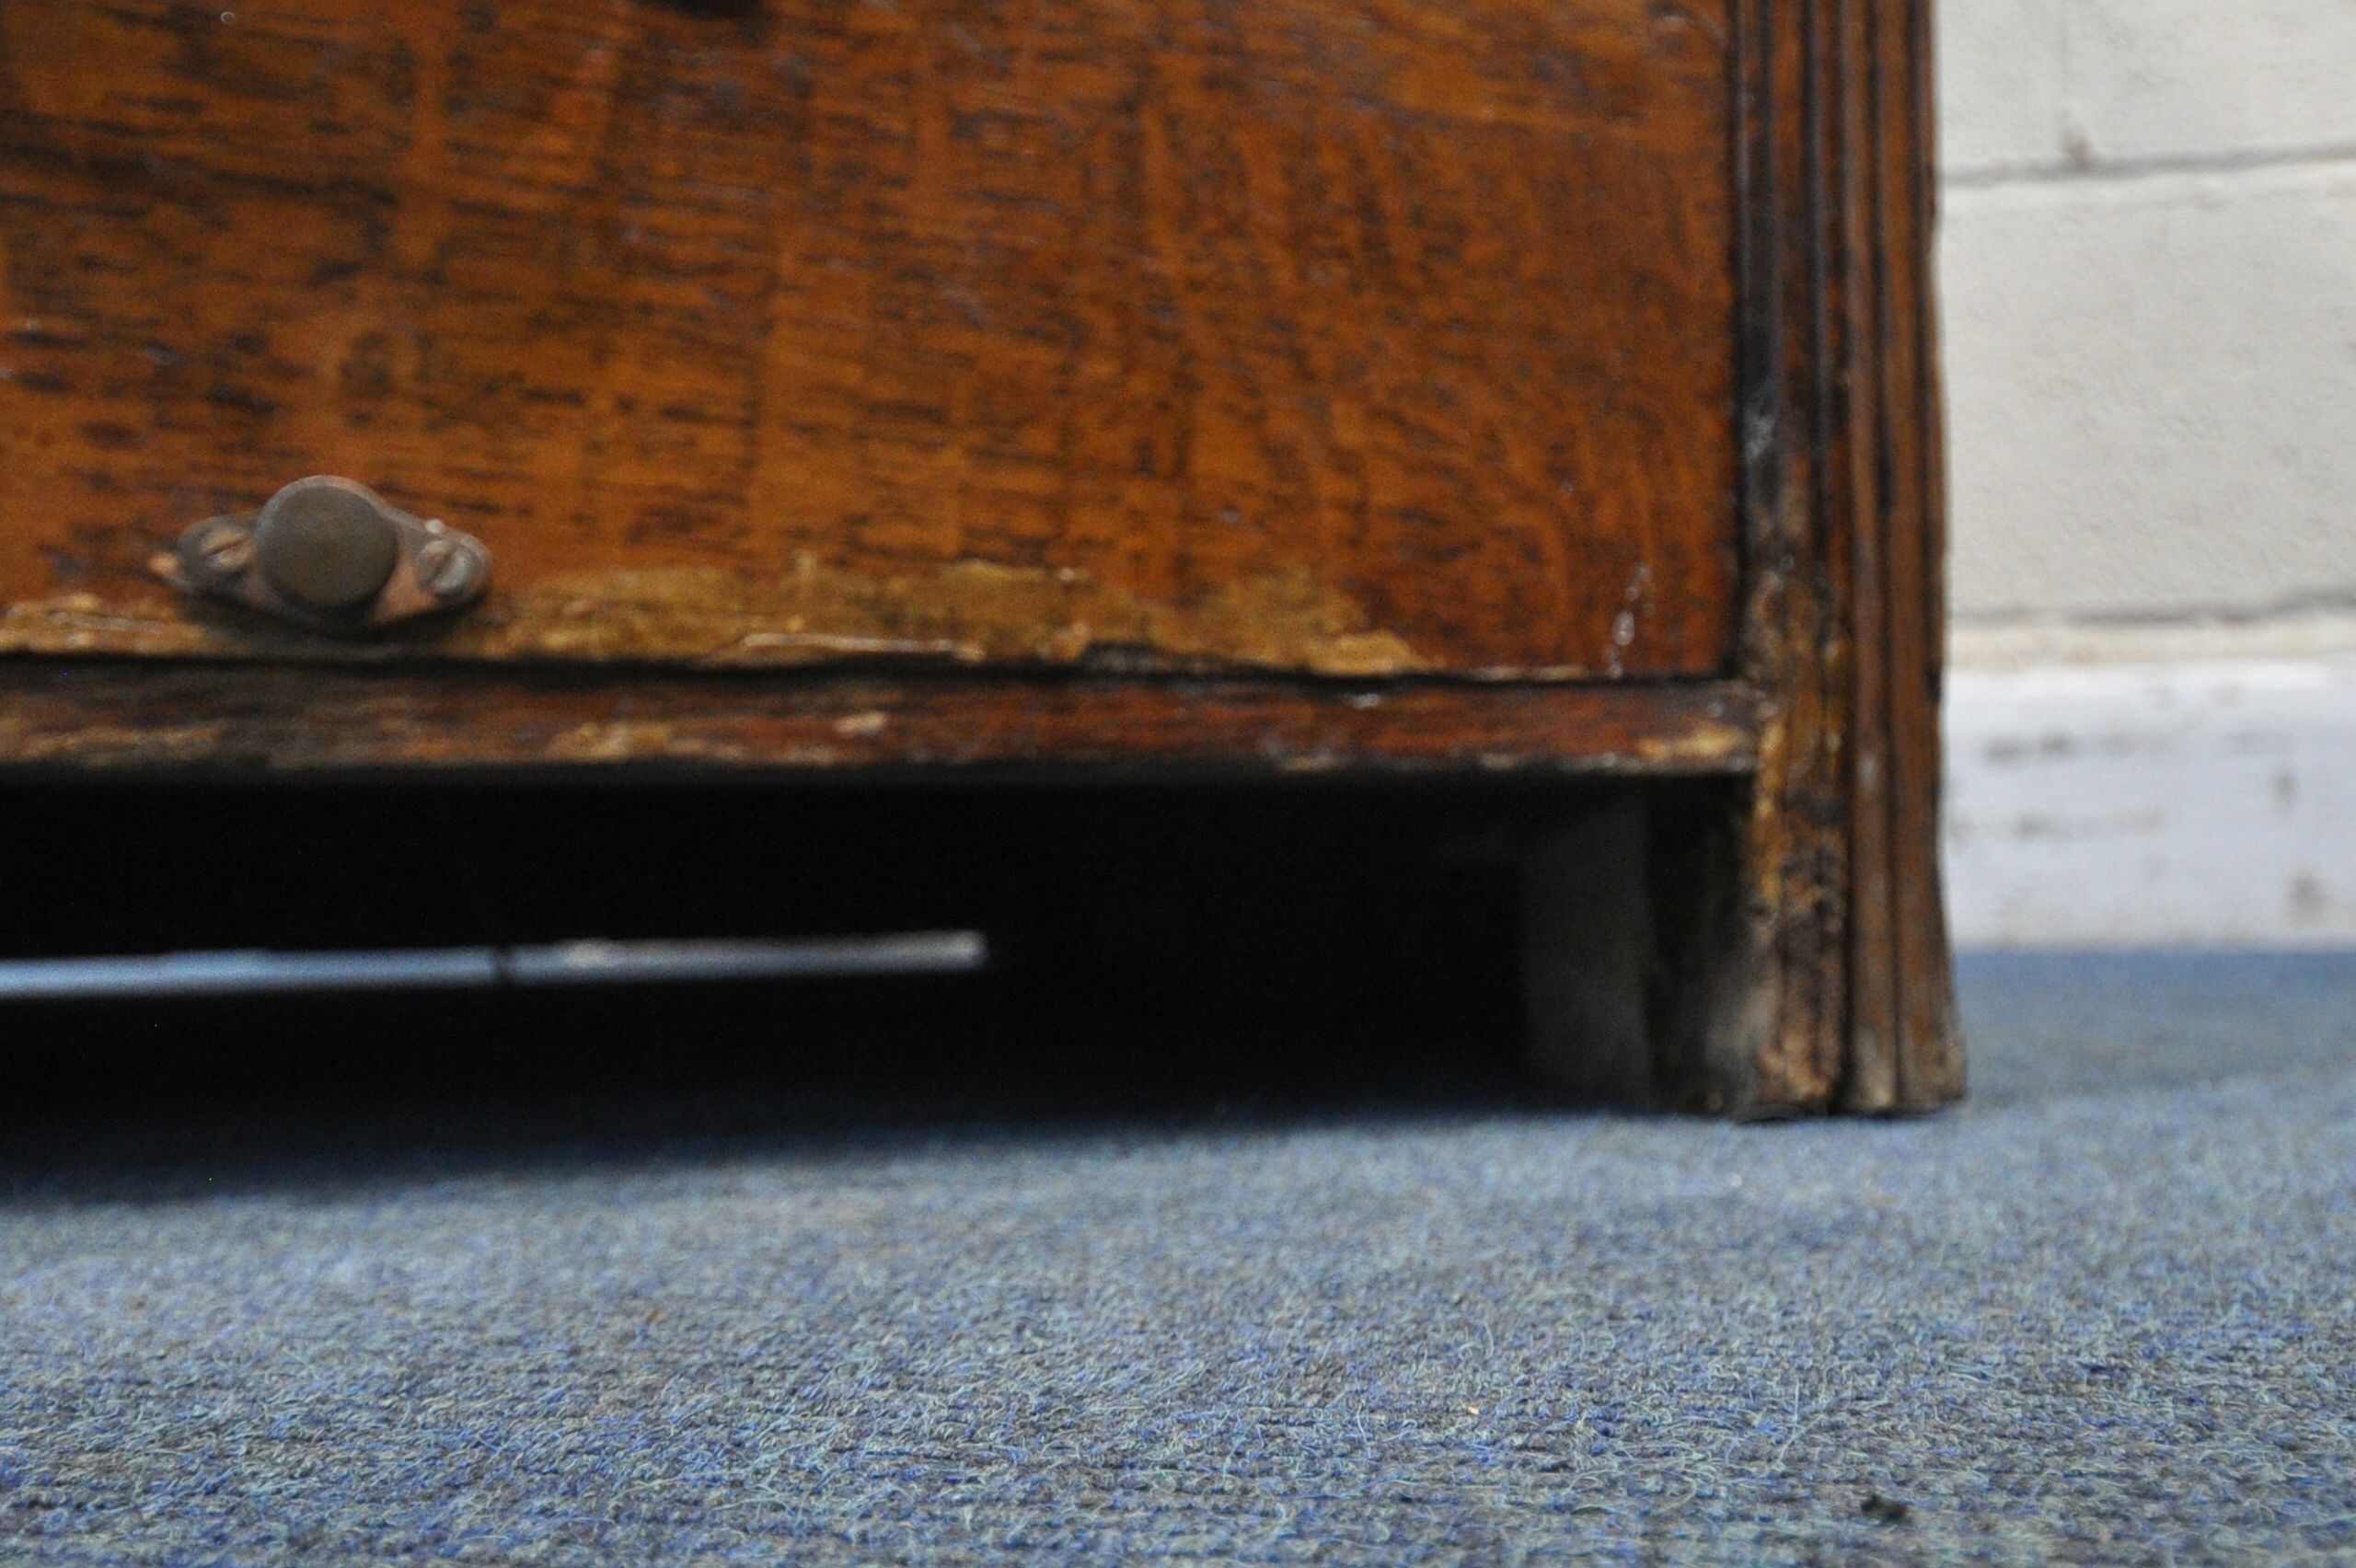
(1335, 335)
(1095, 388)
(309, 723)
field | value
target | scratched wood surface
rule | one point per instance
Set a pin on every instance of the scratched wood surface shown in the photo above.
(1844, 992)
(67, 716)
(1354, 337)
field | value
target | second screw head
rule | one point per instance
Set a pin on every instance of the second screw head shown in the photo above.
(448, 568)
(222, 551)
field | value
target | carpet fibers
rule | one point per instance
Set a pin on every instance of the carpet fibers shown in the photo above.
(2107, 1313)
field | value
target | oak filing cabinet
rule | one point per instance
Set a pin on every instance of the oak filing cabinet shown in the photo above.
(1122, 388)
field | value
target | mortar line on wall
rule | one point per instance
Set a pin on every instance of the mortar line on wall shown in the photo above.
(2325, 601)
(2120, 170)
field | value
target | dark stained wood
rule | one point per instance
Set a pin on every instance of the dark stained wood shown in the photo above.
(1353, 337)
(1841, 992)
(128, 715)
(1588, 942)
(1135, 360)
(1930, 1036)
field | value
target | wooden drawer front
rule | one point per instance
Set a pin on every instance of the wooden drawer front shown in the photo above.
(1365, 337)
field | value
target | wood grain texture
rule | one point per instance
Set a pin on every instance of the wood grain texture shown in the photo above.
(1844, 991)
(1354, 337)
(1098, 349)
(133, 716)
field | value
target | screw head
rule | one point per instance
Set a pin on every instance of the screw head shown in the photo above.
(220, 551)
(448, 569)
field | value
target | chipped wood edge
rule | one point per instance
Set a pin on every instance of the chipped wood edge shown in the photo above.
(79, 716)
(1845, 999)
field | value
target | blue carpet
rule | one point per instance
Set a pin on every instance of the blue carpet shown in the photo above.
(2107, 1313)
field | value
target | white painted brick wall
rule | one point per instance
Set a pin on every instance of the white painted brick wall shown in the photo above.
(2149, 268)
(2001, 94)
(2153, 390)
(2149, 271)
(2168, 79)
(2031, 84)
(2123, 804)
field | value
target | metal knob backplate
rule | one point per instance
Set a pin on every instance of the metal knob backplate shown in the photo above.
(332, 555)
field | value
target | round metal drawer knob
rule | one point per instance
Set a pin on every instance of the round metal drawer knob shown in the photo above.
(332, 556)
(328, 544)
